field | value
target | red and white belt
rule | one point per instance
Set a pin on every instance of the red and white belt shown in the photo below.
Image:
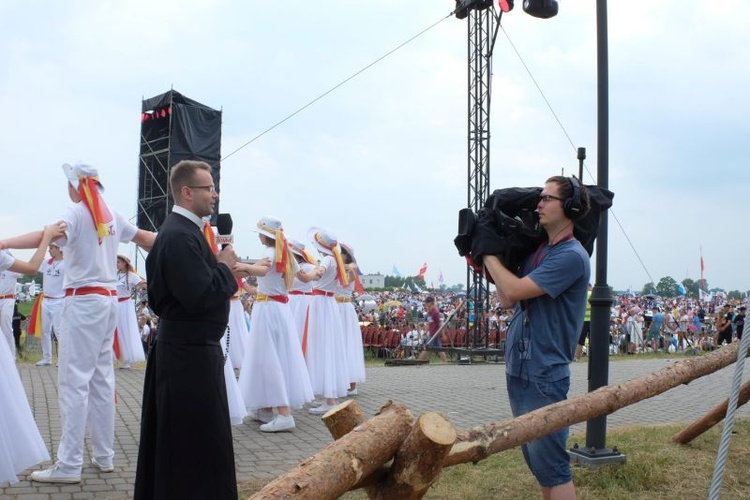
(8, 296)
(90, 290)
(322, 292)
(297, 292)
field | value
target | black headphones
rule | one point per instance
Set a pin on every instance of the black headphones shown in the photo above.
(572, 206)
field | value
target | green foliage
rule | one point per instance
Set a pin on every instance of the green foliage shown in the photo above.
(691, 287)
(667, 287)
(648, 288)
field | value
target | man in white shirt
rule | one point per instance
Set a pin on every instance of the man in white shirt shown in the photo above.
(86, 380)
(53, 272)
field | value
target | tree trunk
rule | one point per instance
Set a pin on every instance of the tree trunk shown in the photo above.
(480, 442)
(419, 462)
(711, 418)
(345, 417)
(334, 470)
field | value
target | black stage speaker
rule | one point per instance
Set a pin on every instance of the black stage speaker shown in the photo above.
(173, 128)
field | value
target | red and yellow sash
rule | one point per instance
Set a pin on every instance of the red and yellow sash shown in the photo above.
(35, 318)
(97, 208)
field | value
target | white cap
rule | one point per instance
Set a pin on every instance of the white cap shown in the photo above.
(79, 170)
(268, 227)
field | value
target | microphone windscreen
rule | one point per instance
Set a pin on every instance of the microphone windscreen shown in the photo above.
(224, 224)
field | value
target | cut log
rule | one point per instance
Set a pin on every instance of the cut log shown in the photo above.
(340, 421)
(334, 470)
(711, 418)
(342, 418)
(419, 462)
(480, 442)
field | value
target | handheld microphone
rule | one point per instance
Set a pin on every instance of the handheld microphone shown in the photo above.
(224, 228)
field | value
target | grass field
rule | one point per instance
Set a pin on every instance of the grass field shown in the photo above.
(655, 468)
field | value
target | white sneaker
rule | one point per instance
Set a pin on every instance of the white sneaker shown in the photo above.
(54, 475)
(261, 415)
(125, 366)
(320, 410)
(353, 392)
(42, 363)
(102, 468)
(278, 424)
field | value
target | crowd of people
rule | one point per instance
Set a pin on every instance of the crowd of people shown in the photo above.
(680, 324)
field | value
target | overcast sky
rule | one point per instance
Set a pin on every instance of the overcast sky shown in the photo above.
(382, 160)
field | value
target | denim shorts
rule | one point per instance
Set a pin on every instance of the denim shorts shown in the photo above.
(547, 457)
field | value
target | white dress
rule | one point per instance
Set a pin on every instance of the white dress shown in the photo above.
(237, 331)
(273, 372)
(355, 354)
(21, 445)
(299, 301)
(237, 410)
(128, 335)
(326, 356)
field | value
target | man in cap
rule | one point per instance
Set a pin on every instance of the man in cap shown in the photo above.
(86, 379)
(53, 272)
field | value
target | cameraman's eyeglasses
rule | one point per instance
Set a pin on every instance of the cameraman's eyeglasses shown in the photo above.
(546, 198)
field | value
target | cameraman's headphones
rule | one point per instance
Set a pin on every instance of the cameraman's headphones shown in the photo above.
(572, 206)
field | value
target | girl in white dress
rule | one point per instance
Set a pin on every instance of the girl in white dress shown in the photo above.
(274, 373)
(326, 356)
(355, 354)
(301, 291)
(21, 445)
(128, 335)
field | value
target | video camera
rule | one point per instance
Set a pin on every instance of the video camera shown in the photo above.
(508, 226)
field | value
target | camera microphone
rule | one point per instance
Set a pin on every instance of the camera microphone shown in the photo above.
(224, 228)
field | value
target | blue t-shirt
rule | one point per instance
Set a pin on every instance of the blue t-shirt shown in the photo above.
(542, 336)
(657, 321)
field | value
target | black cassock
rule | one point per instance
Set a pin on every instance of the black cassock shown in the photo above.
(186, 438)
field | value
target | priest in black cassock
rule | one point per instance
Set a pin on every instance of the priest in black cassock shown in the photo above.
(186, 440)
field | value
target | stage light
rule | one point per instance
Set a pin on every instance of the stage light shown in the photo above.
(464, 6)
(543, 9)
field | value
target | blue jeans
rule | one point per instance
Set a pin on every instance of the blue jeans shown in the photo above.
(547, 457)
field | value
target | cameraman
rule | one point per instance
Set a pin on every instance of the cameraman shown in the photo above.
(549, 297)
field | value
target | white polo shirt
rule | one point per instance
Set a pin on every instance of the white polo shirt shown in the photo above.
(53, 272)
(89, 263)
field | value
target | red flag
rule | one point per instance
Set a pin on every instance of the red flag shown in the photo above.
(358, 285)
(422, 270)
(702, 268)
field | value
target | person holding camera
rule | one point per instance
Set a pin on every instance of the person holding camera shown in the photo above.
(549, 300)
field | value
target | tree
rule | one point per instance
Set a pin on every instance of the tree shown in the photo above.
(648, 288)
(691, 287)
(736, 295)
(667, 287)
(393, 282)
